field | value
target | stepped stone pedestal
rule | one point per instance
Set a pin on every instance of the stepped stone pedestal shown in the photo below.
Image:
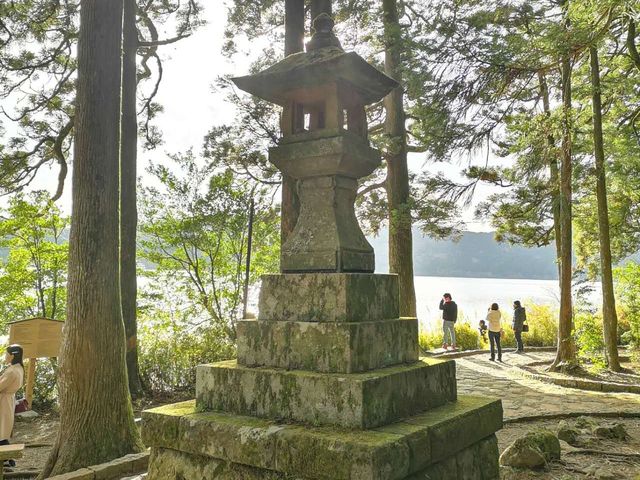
(327, 383)
(340, 396)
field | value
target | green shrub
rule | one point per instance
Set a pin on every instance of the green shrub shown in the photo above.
(543, 331)
(627, 287)
(467, 338)
(508, 339)
(430, 340)
(543, 326)
(45, 389)
(168, 355)
(589, 338)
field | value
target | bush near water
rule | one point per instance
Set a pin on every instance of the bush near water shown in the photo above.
(543, 332)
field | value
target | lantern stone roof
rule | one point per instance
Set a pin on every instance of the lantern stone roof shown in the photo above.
(315, 68)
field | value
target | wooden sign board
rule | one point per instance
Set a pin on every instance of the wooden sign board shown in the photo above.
(39, 337)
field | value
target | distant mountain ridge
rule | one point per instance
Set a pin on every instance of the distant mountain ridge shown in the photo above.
(475, 255)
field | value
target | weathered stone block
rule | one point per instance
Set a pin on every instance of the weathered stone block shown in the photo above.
(477, 462)
(489, 453)
(358, 400)
(342, 455)
(214, 445)
(327, 347)
(327, 237)
(168, 464)
(461, 427)
(329, 297)
(432, 435)
(82, 474)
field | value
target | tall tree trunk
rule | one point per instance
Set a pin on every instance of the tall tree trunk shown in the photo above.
(398, 194)
(320, 6)
(96, 417)
(128, 197)
(609, 314)
(293, 43)
(554, 173)
(566, 353)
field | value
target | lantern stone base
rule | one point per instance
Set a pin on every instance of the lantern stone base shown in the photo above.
(329, 297)
(327, 347)
(453, 441)
(357, 400)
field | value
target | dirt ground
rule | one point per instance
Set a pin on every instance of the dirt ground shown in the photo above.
(631, 375)
(622, 460)
(38, 435)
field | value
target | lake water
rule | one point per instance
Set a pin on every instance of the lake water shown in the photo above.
(475, 295)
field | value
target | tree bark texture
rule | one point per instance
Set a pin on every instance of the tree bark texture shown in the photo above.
(128, 195)
(398, 194)
(293, 43)
(96, 416)
(320, 6)
(566, 353)
(554, 172)
(609, 314)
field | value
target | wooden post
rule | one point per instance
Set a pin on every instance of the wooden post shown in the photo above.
(248, 264)
(31, 380)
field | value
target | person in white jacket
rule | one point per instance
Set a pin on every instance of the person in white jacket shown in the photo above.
(10, 382)
(493, 322)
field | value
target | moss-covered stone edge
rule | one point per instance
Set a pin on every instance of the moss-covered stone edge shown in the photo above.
(402, 448)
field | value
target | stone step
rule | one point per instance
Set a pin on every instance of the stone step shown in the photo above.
(248, 447)
(327, 346)
(329, 297)
(358, 400)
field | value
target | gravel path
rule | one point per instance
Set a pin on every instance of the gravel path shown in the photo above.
(524, 398)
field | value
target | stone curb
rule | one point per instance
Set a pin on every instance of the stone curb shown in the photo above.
(562, 416)
(589, 385)
(471, 353)
(113, 470)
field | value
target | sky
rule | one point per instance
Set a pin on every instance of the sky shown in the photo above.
(192, 107)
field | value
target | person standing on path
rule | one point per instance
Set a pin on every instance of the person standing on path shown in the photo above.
(493, 321)
(449, 317)
(519, 317)
(10, 382)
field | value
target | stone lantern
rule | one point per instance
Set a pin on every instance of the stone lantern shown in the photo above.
(328, 383)
(325, 147)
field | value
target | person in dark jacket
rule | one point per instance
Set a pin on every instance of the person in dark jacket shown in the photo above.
(449, 317)
(519, 317)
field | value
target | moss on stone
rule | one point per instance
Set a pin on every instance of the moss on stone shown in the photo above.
(401, 448)
(359, 400)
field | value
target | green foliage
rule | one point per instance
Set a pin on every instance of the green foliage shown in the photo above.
(467, 338)
(194, 227)
(543, 331)
(38, 44)
(589, 338)
(171, 347)
(628, 290)
(33, 277)
(543, 326)
(45, 390)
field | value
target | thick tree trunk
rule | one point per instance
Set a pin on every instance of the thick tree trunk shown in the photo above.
(96, 417)
(293, 43)
(320, 6)
(554, 172)
(609, 314)
(398, 194)
(128, 197)
(566, 353)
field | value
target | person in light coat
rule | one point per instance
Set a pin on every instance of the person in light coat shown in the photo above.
(10, 382)
(493, 321)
